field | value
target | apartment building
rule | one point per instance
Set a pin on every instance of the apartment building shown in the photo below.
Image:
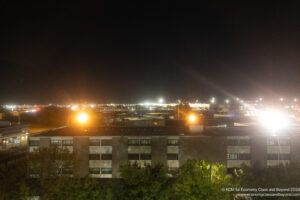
(101, 151)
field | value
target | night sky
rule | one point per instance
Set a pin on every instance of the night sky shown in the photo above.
(62, 52)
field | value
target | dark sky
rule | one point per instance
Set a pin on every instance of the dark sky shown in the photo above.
(60, 52)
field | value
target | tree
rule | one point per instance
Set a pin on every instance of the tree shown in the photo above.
(281, 176)
(197, 180)
(49, 168)
(146, 183)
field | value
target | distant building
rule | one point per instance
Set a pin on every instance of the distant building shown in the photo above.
(101, 151)
(13, 137)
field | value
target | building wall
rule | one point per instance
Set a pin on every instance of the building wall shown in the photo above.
(203, 147)
(119, 154)
(81, 149)
(174, 151)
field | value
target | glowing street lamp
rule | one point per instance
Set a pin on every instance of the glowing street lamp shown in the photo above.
(161, 100)
(227, 101)
(192, 118)
(213, 100)
(82, 118)
(274, 120)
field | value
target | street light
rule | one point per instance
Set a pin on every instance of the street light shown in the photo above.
(213, 100)
(192, 118)
(160, 100)
(274, 120)
(82, 118)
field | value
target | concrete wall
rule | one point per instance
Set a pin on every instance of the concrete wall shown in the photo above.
(119, 154)
(295, 148)
(159, 149)
(205, 147)
(81, 149)
(259, 151)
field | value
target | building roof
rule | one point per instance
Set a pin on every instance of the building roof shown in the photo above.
(13, 130)
(164, 131)
(114, 131)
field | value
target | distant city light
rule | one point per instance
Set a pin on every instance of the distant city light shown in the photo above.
(295, 99)
(260, 99)
(227, 101)
(281, 99)
(213, 100)
(160, 100)
(74, 107)
(82, 118)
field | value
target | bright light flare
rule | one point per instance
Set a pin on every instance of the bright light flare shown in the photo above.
(82, 118)
(192, 118)
(274, 120)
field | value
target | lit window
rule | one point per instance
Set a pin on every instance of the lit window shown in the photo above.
(133, 142)
(145, 142)
(106, 170)
(172, 142)
(94, 170)
(67, 142)
(232, 156)
(94, 142)
(56, 142)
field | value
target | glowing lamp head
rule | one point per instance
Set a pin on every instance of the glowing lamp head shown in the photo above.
(82, 118)
(192, 118)
(274, 120)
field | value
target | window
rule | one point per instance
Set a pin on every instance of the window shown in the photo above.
(284, 142)
(34, 143)
(133, 142)
(146, 156)
(236, 142)
(94, 156)
(145, 141)
(244, 142)
(232, 156)
(94, 142)
(172, 156)
(132, 156)
(284, 157)
(244, 156)
(272, 156)
(67, 142)
(278, 141)
(56, 142)
(232, 142)
(106, 142)
(172, 142)
(94, 170)
(106, 156)
(106, 171)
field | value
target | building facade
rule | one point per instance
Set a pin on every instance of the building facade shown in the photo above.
(102, 151)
